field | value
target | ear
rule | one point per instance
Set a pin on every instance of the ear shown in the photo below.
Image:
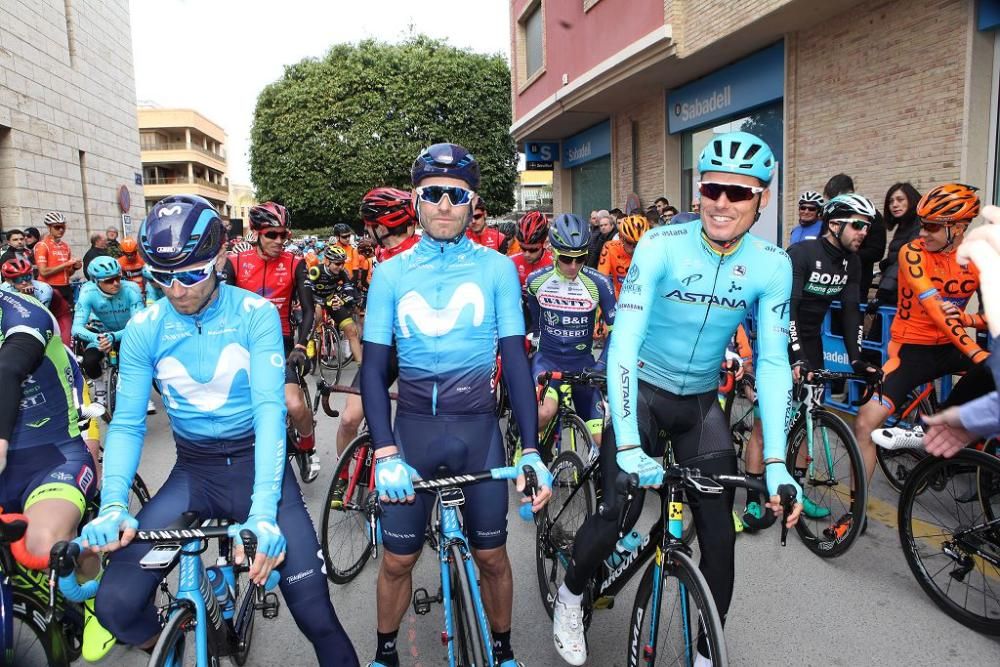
(765, 197)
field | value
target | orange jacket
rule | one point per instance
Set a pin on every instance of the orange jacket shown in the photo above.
(614, 263)
(49, 252)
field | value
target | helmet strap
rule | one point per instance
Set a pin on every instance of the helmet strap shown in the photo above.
(211, 293)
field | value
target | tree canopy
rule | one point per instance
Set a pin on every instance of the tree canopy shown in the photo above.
(330, 130)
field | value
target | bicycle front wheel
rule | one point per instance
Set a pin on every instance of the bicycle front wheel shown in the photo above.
(173, 648)
(112, 389)
(951, 537)
(345, 534)
(574, 436)
(470, 645)
(834, 483)
(29, 641)
(329, 354)
(571, 504)
(676, 620)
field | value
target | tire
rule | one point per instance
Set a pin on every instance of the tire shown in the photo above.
(740, 417)
(897, 464)
(843, 490)
(575, 436)
(943, 527)
(34, 642)
(329, 354)
(109, 411)
(345, 534)
(173, 645)
(679, 575)
(243, 622)
(558, 522)
(139, 496)
(470, 645)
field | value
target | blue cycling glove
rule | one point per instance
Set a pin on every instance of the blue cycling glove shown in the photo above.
(270, 541)
(108, 525)
(777, 474)
(634, 461)
(533, 460)
(394, 478)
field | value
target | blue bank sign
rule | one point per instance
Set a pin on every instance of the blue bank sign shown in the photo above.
(748, 83)
(589, 145)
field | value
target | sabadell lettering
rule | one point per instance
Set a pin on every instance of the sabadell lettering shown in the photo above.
(721, 99)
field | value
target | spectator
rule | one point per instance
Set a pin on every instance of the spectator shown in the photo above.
(838, 185)
(873, 247)
(114, 249)
(594, 220)
(605, 232)
(696, 205)
(667, 215)
(809, 221)
(652, 216)
(617, 215)
(98, 248)
(31, 238)
(660, 204)
(16, 249)
(900, 218)
(54, 258)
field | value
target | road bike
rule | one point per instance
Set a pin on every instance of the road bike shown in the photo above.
(306, 461)
(218, 630)
(566, 430)
(897, 464)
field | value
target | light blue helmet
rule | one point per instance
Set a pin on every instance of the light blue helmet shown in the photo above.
(738, 153)
(103, 267)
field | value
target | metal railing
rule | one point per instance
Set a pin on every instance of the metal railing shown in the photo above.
(184, 180)
(180, 146)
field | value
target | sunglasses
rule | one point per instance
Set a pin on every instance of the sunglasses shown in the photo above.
(186, 277)
(478, 216)
(57, 226)
(337, 262)
(567, 259)
(20, 280)
(111, 280)
(432, 194)
(273, 234)
(931, 227)
(536, 248)
(808, 209)
(733, 192)
(855, 224)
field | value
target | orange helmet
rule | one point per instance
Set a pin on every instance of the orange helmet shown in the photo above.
(128, 245)
(949, 204)
(632, 228)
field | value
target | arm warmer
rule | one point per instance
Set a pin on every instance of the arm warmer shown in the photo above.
(520, 387)
(375, 392)
(303, 289)
(20, 354)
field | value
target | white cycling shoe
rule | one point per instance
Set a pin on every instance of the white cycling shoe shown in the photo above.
(899, 438)
(567, 632)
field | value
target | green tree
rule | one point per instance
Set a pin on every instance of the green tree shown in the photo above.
(330, 130)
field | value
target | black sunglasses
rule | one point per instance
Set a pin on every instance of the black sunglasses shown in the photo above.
(566, 259)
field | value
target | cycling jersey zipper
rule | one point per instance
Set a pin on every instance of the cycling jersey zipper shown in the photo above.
(708, 310)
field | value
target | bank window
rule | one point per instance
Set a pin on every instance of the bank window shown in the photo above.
(532, 34)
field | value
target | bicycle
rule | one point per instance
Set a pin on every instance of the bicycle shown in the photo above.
(949, 529)
(672, 577)
(567, 426)
(218, 631)
(898, 464)
(325, 344)
(303, 459)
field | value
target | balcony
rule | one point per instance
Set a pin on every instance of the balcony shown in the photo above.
(181, 151)
(157, 188)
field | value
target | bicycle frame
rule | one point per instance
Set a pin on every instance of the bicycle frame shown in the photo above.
(193, 588)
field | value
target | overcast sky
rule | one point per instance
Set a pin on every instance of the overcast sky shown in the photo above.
(216, 55)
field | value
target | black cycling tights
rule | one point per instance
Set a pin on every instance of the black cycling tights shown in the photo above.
(700, 438)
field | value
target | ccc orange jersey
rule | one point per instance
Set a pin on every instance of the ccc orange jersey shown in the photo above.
(132, 268)
(614, 263)
(926, 281)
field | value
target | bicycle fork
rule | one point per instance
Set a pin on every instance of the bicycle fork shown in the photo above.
(675, 526)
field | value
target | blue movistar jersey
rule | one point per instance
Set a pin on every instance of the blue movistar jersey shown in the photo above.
(564, 312)
(446, 305)
(47, 412)
(112, 311)
(679, 307)
(222, 376)
(43, 291)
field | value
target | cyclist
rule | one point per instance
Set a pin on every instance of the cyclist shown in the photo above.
(564, 300)
(342, 234)
(824, 270)
(281, 278)
(480, 233)
(810, 225)
(54, 258)
(700, 278)
(616, 256)
(215, 351)
(448, 303)
(929, 338)
(111, 302)
(510, 245)
(46, 470)
(17, 275)
(153, 291)
(336, 293)
(131, 263)
(532, 232)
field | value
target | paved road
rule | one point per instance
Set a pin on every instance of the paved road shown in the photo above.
(790, 607)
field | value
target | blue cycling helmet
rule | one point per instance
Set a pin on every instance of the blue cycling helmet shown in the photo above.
(180, 230)
(103, 267)
(569, 235)
(446, 160)
(738, 153)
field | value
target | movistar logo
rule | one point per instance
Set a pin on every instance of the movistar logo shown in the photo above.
(709, 299)
(414, 309)
(208, 396)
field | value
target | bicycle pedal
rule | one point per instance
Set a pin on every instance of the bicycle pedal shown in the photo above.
(270, 606)
(422, 602)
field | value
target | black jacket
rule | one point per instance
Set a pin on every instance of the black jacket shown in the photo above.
(91, 254)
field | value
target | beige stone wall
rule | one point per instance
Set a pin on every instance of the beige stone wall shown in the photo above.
(880, 97)
(651, 129)
(67, 85)
(698, 24)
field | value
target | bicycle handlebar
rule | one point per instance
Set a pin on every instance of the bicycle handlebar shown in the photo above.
(588, 377)
(872, 385)
(13, 530)
(325, 390)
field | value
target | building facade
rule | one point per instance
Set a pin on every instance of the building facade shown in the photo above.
(68, 135)
(627, 93)
(183, 153)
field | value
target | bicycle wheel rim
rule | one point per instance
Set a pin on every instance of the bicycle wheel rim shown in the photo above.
(898, 464)
(942, 528)
(835, 481)
(345, 536)
(32, 644)
(470, 644)
(173, 645)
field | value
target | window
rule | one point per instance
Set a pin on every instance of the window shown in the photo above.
(534, 55)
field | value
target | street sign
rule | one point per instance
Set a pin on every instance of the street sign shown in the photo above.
(536, 151)
(537, 165)
(124, 199)
(126, 225)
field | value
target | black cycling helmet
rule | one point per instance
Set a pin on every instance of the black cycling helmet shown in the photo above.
(341, 229)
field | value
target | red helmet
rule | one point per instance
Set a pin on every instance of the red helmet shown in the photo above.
(15, 268)
(533, 227)
(268, 214)
(390, 207)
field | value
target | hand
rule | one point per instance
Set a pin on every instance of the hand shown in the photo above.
(104, 343)
(544, 491)
(945, 434)
(394, 479)
(297, 358)
(862, 367)
(77, 263)
(950, 310)
(270, 547)
(800, 371)
(335, 302)
(634, 461)
(101, 534)
(777, 474)
(872, 307)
